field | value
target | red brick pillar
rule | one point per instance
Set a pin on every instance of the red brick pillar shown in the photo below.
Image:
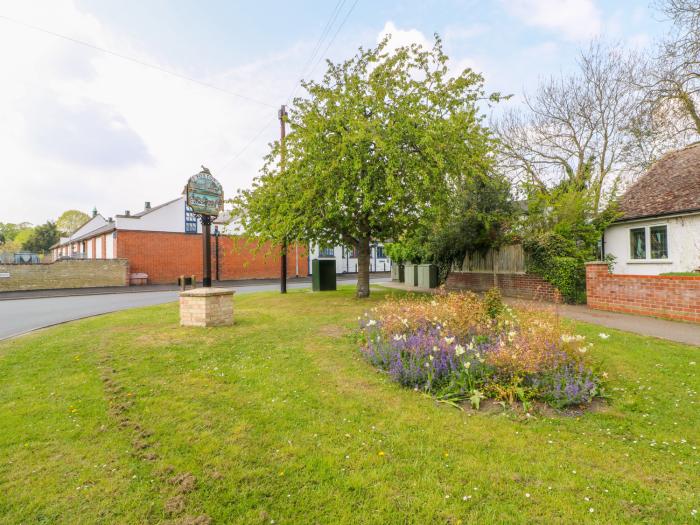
(596, 272)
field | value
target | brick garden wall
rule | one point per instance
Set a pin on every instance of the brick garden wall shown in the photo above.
(165, 256)
(670, 296)
(520, 285)
(77, 273)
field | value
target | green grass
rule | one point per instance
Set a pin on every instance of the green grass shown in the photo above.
(278, 418)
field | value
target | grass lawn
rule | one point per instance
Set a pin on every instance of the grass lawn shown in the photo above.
(128, 418)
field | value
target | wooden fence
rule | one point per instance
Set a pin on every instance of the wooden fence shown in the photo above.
(507, 259)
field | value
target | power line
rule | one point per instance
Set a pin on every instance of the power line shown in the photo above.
(249, 143)
(347, 15)
(326, 31)
(136, 61)
(319, 43)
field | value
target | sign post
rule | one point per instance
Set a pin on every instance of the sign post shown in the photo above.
(205, 197)
(206, 306)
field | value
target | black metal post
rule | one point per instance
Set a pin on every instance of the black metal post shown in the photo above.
(206, 252)
(216, 236)
(283, 268)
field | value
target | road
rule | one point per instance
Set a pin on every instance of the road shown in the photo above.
(24, 315)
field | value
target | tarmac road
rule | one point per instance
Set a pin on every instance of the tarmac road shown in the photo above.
(19, 316)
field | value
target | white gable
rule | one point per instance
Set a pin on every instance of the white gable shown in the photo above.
(168, 217)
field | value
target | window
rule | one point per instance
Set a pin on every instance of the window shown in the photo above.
(326, 252)
(656, 237)
(638, 247)
(380, 252)
(352, 252)
(190, 220)
(658, 242)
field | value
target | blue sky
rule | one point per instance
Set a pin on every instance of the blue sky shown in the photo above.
(90, 129)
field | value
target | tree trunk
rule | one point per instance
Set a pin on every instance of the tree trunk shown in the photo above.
(363, 260)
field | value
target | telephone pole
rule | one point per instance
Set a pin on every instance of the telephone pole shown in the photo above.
(282, 114)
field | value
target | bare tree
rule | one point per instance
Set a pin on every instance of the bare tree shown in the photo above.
(670, 115)
(575, 127)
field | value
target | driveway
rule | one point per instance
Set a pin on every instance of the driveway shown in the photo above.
(19, 316)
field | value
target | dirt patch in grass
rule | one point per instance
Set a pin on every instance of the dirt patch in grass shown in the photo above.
(175, 505)
(184, 483)
(195, 520)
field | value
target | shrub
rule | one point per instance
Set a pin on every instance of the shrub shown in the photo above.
(460, 347)
(558, 261)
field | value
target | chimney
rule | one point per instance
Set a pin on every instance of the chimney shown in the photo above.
(110, 219)
(94, 211)
(147, 205)
(127, 213)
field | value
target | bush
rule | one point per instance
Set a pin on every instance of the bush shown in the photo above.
(461, 347)
(558, 261)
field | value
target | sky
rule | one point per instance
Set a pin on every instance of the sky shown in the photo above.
(202, 81)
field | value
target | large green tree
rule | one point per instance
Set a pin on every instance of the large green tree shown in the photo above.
(71, 220)
(379, 142)
(42, 238)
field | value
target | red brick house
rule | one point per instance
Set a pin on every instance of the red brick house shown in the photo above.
(165, 242)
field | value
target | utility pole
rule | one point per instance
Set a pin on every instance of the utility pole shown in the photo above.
(282, 114)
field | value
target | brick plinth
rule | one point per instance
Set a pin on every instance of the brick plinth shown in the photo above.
(521, 285)
(206, 307)
(670, 296)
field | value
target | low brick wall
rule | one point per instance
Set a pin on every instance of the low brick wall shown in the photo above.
(87, 273)
(520, 285)
(669, 296)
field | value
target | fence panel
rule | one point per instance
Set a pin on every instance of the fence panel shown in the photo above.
(507, 259)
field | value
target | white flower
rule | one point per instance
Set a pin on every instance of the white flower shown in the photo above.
(527, 494)
(467, 365)
(371, 322)
(591, 509)
(449, 340)
(459, 350)
(433, 303)
(398, 337)
(435, 349)
(603, 336)
(431, 357)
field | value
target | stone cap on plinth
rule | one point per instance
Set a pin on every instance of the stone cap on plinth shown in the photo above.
(207, 292)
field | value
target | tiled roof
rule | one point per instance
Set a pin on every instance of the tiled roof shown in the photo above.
(671, 186)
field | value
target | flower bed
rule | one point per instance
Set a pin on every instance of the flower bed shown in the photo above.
(460, 347)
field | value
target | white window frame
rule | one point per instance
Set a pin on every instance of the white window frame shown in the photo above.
(647, 244)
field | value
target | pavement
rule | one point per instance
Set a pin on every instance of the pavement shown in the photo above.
(25, 314)
(681, 332)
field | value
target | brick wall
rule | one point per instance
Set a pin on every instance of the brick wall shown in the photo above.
(670, 296)
(521, 285)
(77, 273)
(165, 256)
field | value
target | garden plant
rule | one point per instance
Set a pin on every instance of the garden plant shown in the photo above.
(461, 347)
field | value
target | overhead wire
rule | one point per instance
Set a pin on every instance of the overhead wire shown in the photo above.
(333, 17)
(137, 61)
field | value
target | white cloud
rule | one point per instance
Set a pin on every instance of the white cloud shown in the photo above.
(573, 19)
(403, 37)
(83, 128)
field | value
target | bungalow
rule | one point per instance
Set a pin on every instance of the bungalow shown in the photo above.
(659, 229)
(165, 242)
